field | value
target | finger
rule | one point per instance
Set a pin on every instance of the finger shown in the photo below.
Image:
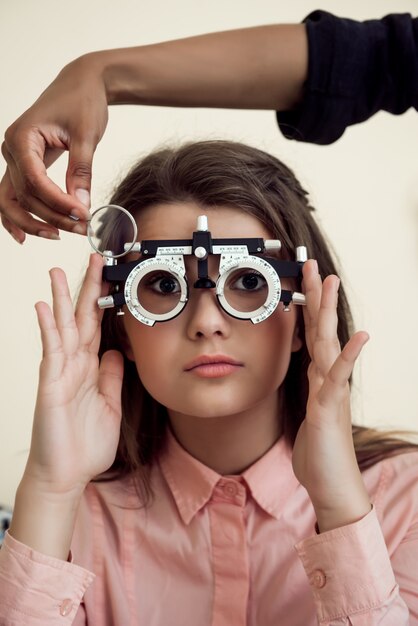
(95, 344)
(312, 286)
(326, 344)
(26, 161)
(17, 215)
(64, 311)
(23, 203)
(52, 221)
(110, 379)
(88, 315)
(79, 171)
(7, 195)
(334, 388)
(52, 352)
(17, 234)
(23, 221)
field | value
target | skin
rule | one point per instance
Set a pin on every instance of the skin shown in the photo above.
(78, 410)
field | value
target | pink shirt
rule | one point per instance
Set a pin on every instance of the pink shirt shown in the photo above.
(224, 551)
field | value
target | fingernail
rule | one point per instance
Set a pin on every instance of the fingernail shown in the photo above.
(74, 217)
(80, 229)
(47, 234)
(315, 264)
(84, 197)
(15, 237)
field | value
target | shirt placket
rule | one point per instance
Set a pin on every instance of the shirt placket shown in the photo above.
(229, 553)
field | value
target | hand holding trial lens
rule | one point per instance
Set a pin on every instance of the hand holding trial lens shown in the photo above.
(155, 287)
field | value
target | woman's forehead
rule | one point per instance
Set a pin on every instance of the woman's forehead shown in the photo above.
(179, 220)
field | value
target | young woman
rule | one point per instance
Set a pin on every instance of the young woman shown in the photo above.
(205, 469)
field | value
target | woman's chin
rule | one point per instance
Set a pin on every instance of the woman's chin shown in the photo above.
(215, 409)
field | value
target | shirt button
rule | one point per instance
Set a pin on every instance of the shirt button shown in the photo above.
(66, 607)
(319, 579)
(230, 489)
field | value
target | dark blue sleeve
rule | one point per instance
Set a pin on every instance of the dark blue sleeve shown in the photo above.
(355, 69)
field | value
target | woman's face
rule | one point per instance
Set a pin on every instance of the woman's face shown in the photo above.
(164, 353)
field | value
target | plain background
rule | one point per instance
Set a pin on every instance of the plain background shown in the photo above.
(364, 187)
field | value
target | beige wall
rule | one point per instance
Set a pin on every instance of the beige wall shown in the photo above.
(365, 187)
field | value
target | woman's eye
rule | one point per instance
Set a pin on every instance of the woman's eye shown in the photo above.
(250, 281)
(164, 285)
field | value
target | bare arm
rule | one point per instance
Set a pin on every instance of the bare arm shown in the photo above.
(257, 68)
(253, 68)
(44, 521)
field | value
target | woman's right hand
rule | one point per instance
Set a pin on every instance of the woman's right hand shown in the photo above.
(77, 417)
(71, 114)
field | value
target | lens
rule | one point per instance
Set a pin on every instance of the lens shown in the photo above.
(159, 292)
(110, 228)
(245, 290)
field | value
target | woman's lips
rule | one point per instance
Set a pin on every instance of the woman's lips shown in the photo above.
(213, 366)
(214, 370)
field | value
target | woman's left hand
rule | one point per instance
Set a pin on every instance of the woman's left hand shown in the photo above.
(324, 459)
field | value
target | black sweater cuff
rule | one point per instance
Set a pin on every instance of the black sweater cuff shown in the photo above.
(355, 69)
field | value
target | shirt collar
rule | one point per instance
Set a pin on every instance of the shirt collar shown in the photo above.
(270, 480)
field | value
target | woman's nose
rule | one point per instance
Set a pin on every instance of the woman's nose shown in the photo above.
(205, 317)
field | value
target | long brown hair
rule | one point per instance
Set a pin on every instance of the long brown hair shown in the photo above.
(223, 173)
